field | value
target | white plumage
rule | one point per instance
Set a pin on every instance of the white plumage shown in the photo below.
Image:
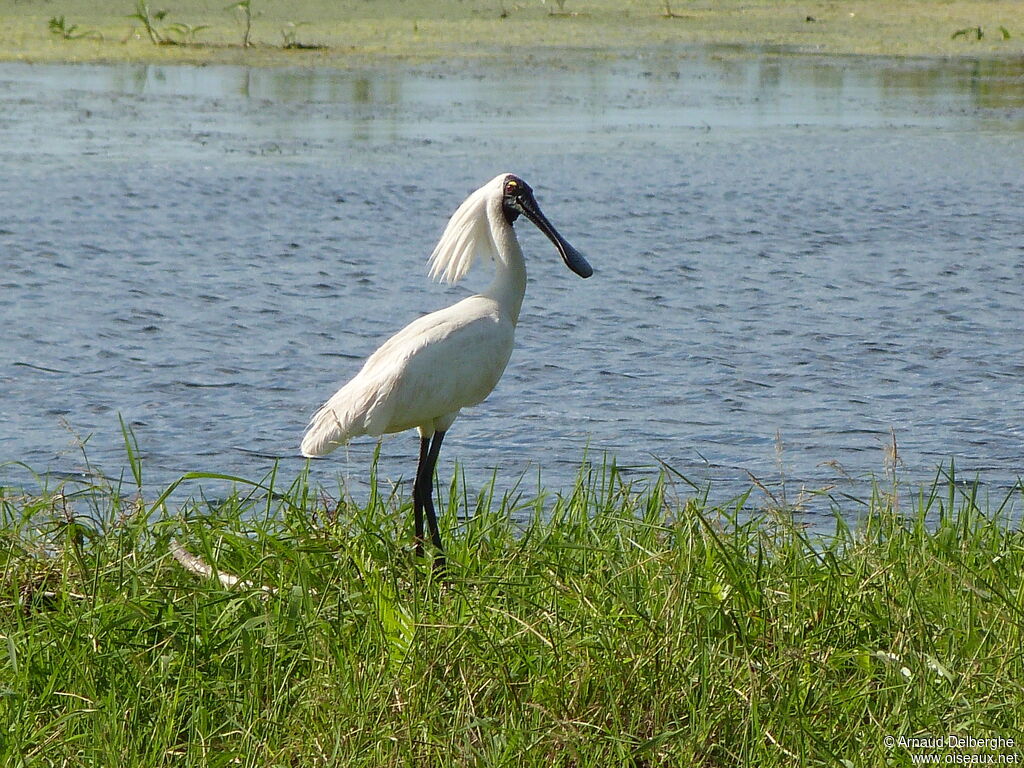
(450, 359)
(420, 377)
(470, 233)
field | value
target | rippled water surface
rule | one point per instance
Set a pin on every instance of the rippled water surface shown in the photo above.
(829, 251)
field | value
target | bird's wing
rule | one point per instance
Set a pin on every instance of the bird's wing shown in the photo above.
(458, 367)
(436, 365)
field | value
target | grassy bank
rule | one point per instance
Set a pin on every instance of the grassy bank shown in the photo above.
(626, 627)
(325, 32)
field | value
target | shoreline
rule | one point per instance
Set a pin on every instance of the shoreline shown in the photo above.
(347, 36)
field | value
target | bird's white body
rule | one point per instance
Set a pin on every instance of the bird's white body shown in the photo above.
(421, 377)
(445, 361)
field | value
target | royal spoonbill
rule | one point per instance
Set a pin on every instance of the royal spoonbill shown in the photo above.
(450, 359)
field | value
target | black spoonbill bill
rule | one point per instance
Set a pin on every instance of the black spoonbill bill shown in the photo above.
(450, 359)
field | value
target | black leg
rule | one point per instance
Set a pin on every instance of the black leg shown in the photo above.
(423, 497)
(417, 494)
(428, 498)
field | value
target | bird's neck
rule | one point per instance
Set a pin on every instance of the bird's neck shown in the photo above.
(509, 285)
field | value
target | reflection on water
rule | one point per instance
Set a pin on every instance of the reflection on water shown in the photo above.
(654, 92)
(789, 245)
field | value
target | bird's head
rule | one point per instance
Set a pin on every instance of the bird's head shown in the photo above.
(472, 229)
(517, 199)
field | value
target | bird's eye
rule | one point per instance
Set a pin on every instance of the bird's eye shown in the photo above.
(511, 187)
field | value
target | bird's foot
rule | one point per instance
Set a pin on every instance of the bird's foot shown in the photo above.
(440, 565)
(440, 562)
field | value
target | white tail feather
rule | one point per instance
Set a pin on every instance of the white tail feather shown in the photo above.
(325, 433)
(340, 419)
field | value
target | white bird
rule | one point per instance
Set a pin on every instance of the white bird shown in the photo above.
(450, 359)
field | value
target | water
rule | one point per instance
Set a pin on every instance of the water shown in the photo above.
(827, 251)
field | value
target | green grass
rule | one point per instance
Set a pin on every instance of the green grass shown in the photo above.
(615, 626)
(347, 33)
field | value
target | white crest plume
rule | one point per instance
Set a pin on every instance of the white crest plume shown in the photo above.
(468, 235)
